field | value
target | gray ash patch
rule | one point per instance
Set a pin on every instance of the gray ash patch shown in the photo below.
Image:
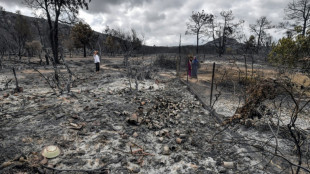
(160, 128)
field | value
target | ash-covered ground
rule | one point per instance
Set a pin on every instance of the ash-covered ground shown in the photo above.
(103, 126)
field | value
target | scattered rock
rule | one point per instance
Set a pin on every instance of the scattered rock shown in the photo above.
(221, 169)
(125, 113)
(6, 95)
(228, 165)
(75, 126)
(124, 136)
(22, 159)
(117, 113)
(177, 133)
(133, 168)
(178, 140)
(182, 136)
(177, 158)
(166, 150)
(156, 133)
(164, 132)
(51, 165)
(44, 161)
(135, 134)
(134, 119)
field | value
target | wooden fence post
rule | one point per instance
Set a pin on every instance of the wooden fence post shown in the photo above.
(187, 76)
(212, 84)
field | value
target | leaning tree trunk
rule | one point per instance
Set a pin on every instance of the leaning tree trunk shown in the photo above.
(17, 89)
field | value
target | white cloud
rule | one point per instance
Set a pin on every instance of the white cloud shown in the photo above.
(13, 7)
(162, 21)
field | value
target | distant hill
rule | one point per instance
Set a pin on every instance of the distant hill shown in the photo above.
(34, 23)
(229, 41)
(39, 25)
(36, 26)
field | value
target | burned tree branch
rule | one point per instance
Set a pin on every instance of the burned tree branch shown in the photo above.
(46, 79)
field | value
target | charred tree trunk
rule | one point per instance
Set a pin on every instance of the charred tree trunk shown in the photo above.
(46, 59)
(197, 42)
(19, 54)
(84, 47)
(246, 69)
(17, 89)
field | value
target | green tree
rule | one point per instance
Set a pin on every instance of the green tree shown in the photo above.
(284, 52)
(198, 24)
(289, 50)
(82, 35)
(56, 11)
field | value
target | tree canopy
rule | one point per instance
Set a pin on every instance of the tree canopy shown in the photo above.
(289, 51)
(198, 25)
(56, 11)
(82, 34)
(299, 11)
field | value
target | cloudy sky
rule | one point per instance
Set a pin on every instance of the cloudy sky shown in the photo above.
(162, 21)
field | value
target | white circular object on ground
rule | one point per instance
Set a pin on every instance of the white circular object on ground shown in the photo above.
(51, 151)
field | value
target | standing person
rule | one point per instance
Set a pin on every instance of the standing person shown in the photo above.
(97, 61)
(195, 67)
(189, 67)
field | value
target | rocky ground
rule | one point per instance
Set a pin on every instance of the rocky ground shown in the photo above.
(105, 127)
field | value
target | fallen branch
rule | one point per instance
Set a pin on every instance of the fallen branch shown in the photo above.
(6, 86)
(78, 170)
(17, 89)
(48, 82)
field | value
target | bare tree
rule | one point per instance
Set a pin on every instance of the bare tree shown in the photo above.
(221, 31)
(19, 30)
(197, 25)
(42, 28)
(299, 11)
(129, 42)
(259, 29)
(68, 43)
(56, 11)
(110, 45)
(3, 42)
(22, 29)
(34, 47)
(3, 48)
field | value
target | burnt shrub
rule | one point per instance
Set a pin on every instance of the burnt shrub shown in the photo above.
(163, 61)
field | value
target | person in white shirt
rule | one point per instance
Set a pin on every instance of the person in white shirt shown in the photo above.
(97, 61)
